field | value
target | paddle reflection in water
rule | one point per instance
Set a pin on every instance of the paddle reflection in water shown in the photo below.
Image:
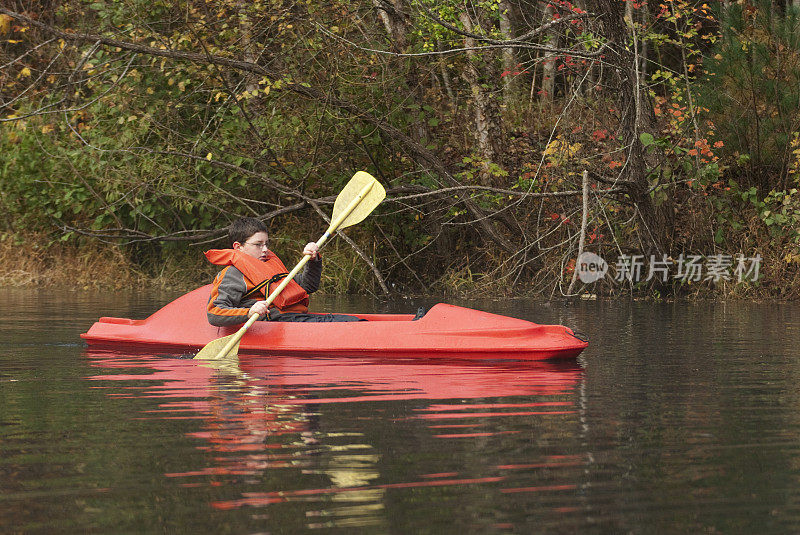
(351, 442)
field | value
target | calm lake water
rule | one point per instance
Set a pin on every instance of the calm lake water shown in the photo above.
(679, 418)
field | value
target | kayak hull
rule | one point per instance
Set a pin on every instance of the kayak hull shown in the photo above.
(446, 331)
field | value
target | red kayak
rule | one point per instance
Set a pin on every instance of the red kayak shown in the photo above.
(446, 331)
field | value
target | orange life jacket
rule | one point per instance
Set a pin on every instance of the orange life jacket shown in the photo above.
(261, 276)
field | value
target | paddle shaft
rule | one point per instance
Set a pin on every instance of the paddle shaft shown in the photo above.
(331, 229)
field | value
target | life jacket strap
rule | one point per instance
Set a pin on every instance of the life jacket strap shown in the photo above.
(260, 286)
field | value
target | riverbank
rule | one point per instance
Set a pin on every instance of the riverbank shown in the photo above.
(38, 263)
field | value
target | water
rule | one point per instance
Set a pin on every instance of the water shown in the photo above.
(679, 418)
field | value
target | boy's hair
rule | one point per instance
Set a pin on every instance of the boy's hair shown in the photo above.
(243, 228)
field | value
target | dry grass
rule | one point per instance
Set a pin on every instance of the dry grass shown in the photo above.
(32, 263)
(35, 262)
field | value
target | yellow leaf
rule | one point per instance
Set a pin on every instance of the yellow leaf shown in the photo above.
(46, 129)
(208, 156)
(14, 41)
(132, 118)
(5, 21)
(149, 91)
(25, 72)
(266, 90)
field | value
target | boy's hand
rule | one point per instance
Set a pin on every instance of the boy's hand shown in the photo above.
(259, 308)
(312, 250)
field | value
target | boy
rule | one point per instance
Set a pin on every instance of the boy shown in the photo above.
(252, 271)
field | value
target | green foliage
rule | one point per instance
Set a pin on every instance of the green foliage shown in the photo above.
(780, 212)
(752, 89)
(429, 33)
(475, 166)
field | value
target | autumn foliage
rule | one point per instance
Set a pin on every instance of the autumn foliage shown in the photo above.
(146, 127)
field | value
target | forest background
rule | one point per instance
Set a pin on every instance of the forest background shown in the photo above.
(511, 135)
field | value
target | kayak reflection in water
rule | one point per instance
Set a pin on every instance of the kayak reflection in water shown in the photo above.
(251, 271)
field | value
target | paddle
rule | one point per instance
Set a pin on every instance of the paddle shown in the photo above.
(355, 202)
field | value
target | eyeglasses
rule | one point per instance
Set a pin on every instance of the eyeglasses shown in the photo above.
(260, 244)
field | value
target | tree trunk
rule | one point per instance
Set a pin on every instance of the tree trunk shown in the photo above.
(509, 58)
(247, 42)
(549, 63)
(484, 104)
(636, 117)
(391, 14)
(394, 15)
(446, 81)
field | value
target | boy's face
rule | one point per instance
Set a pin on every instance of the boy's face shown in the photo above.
(255, 246)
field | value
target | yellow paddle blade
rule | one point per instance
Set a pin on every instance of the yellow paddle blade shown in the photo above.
(366, 206)
(227, 346)
(212, 349)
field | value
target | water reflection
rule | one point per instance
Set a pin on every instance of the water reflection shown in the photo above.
(323, 437)
(684, 421)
